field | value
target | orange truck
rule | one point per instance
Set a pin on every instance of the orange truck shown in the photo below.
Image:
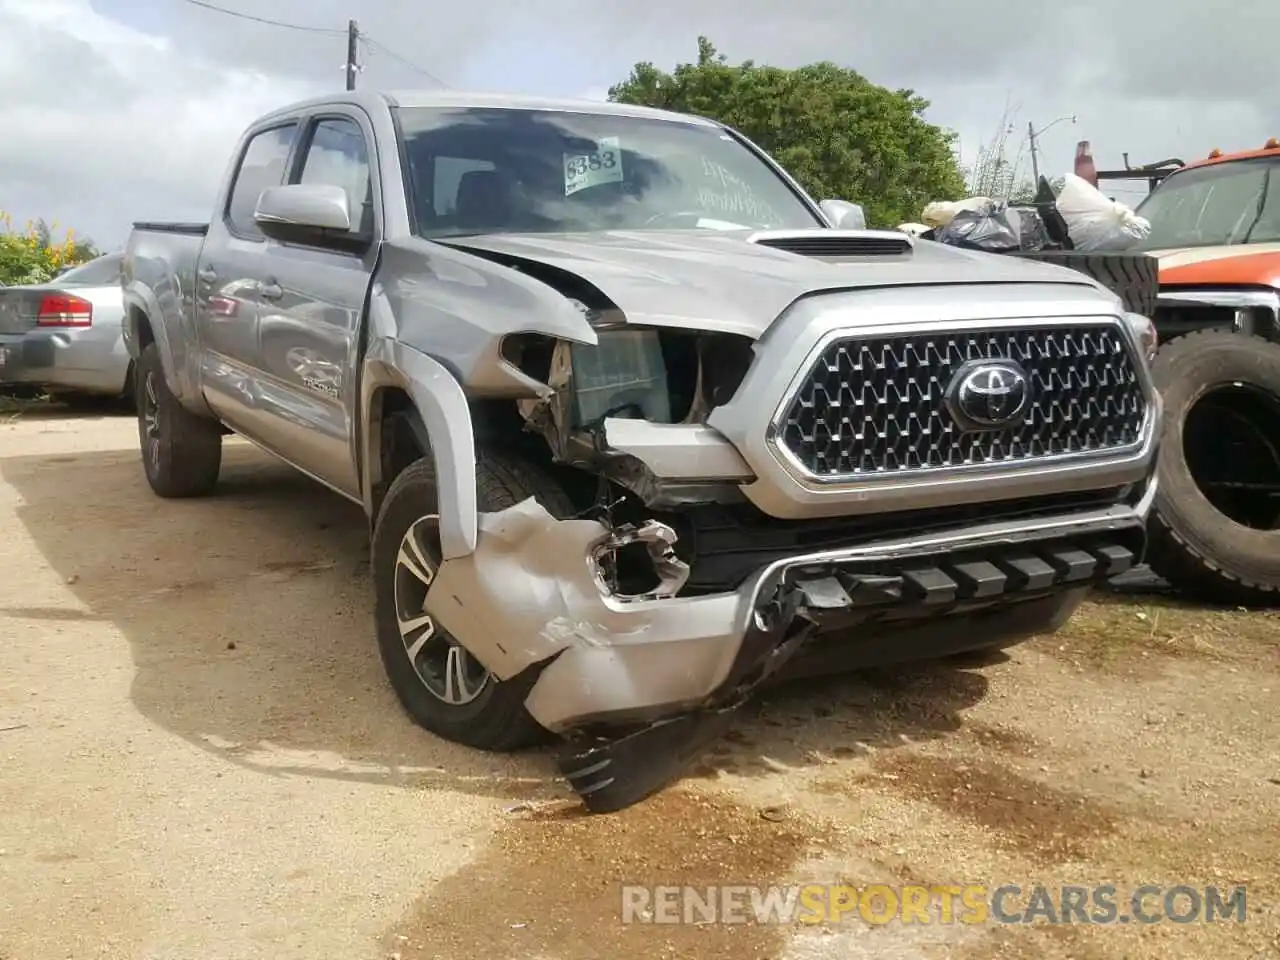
(1215, 235)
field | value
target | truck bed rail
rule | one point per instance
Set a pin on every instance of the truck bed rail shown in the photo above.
(164, 226)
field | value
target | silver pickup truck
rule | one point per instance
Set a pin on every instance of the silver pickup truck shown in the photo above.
(638, 426)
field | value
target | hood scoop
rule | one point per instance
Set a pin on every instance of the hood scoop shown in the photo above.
(836, 244)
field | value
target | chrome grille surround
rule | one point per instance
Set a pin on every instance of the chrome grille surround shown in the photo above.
(1115, 405)
(753, 418)
(869, 404)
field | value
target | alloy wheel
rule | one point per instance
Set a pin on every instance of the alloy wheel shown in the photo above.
(449, 673)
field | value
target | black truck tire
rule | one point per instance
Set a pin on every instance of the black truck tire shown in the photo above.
(1133, 277)
(495, 719)
(1211, 549)
(181, 450)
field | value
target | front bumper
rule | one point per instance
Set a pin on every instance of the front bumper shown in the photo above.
(672, 670)
(89, 359)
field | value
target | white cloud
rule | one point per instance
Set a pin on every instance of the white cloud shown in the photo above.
(104, 125)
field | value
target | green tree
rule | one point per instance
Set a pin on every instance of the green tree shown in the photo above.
(837, 133)
(33, 255)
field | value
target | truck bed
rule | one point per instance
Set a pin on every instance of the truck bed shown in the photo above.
(160, 263)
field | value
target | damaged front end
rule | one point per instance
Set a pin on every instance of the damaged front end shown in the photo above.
(632, 408)
(638, 685)
(685, 581)
(636, 667)
(636, 682)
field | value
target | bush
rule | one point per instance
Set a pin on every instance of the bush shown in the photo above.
(33, 256)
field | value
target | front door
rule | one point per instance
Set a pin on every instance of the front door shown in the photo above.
(309, 317)
(226, 285)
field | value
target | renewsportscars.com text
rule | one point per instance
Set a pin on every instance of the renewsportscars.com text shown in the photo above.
(969, 904)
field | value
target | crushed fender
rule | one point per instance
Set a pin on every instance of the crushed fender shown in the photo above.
(528, 592)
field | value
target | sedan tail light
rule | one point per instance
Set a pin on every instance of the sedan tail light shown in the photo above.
(64, 310)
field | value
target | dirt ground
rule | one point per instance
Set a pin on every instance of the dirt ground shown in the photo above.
(199, 759)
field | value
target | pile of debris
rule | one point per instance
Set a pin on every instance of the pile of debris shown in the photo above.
(1069, 215)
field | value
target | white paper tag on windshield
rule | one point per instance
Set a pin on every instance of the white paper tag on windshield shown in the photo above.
(603, 165)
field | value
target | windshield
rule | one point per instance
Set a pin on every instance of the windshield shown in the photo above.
(506, 170)
(1224, 203)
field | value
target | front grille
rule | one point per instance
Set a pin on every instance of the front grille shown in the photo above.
(875, 405)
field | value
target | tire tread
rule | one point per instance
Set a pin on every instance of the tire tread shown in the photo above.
(191, 453)
(1170, 553)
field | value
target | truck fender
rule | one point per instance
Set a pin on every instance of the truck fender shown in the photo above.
(140, 302)
(441, 404)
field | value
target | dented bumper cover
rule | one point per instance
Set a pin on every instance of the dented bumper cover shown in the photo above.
(663, 673)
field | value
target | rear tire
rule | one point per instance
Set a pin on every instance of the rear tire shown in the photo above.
(1211, 536)
(181, 450)
(420, 660)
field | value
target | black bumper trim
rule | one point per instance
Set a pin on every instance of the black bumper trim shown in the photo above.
(610, 773)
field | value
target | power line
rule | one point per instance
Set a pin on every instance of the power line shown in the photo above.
(383, 48)
(271, 23)
(352, 34)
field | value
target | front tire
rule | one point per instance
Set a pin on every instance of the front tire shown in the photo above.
(181, 450)
(441, 686)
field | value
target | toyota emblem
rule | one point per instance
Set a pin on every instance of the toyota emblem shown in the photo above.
(989, 394)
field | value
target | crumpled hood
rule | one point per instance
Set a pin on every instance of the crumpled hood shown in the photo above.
(716, 280)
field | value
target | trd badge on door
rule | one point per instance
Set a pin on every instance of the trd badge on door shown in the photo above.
(316, 374)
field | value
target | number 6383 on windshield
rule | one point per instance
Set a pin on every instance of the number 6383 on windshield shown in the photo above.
(602, 165)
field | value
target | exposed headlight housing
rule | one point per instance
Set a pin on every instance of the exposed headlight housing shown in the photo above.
(1144, 331)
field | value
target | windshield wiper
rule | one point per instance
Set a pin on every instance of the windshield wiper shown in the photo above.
(1262, 202)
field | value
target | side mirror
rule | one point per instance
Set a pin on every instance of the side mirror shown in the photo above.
(844, 215)
(315, 214)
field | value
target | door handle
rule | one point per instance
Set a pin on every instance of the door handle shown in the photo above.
(270, 290)
(208, 275)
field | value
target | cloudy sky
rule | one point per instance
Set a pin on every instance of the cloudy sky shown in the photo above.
(117, 110)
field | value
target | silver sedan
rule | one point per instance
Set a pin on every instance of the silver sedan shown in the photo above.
(65, 336)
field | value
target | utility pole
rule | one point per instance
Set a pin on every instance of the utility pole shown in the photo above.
(1032, 133)
(353, 50)
(1035, 161)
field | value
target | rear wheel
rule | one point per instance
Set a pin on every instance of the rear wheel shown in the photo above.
(1215, 533)
(181, 450)
(440, 684)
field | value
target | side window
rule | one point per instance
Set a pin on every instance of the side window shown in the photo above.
(262, 166)
(338, 156)
(448, 177)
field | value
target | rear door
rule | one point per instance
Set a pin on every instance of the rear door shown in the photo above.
(227, 279)
(312, 302)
